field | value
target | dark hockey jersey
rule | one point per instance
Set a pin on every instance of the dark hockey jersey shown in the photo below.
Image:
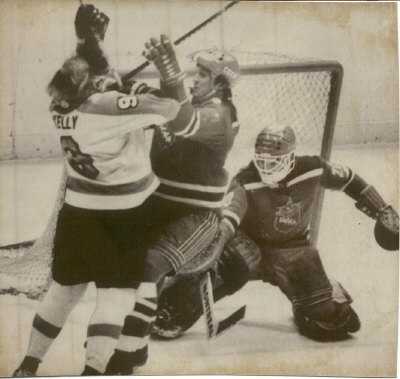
(190, 163)
(283, 213)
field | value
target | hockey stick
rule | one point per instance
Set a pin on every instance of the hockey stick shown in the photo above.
(213, 326)
(142, 66)
(18, 245)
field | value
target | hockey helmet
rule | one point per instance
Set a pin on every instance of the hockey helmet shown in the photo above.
(274, 155)
(219, 63)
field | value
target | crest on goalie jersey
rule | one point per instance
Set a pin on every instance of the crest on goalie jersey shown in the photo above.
(288, 217)
(166, 137)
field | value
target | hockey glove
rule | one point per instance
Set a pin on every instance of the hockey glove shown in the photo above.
(370, 202)
(386, 229)
(90, 22)
(162, 54)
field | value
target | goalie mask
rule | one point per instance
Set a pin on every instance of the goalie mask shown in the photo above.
(274, 155)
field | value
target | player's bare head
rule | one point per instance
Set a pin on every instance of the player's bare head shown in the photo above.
(274, 153)
(217, 70)
(68, 83)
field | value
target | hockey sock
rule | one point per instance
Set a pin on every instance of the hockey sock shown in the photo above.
(89, 371)
(28, 365)
(51, 316)
(112, 305)
(132, 347)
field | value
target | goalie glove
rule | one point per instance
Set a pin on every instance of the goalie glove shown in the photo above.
(161, 52)
(370, 202)
(90, 23)
(386, 229)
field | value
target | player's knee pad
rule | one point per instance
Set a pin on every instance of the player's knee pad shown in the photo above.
(328, 322)
(187, 237)
(239, 262)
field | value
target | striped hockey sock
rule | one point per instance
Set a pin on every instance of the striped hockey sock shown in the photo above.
(49, 320)
(132, 348)
(112, 305)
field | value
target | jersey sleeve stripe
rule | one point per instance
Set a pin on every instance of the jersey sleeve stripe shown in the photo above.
(193, 130)
(231, 215)
(348, 182)
(254, 186)
(190, 124)
(308, 175)
(229, 223)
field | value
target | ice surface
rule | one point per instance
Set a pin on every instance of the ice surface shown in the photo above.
(266, 341)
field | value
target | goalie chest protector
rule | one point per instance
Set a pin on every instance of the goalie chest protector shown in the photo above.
(282, 213)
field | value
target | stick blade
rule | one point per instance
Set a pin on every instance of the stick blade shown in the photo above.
(231, 320)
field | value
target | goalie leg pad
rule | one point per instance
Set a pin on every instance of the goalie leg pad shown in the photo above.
(328, 322)
(331, 320)
(299, 273)
(238, 263)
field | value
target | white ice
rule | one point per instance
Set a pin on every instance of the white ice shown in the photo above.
(266, 341)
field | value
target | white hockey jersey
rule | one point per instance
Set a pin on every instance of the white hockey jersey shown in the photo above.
(103, 141)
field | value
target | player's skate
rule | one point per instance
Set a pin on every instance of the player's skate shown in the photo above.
(21, 372)
(167, 325)
(27, 368)
(178, 309)
(126, 363)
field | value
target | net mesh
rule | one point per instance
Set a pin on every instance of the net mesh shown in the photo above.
(294, 97)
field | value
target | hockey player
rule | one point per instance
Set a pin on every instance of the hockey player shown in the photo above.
(100, 228)
(272, 201)
(188, 156)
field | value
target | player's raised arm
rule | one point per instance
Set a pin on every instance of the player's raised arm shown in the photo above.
(211, 117)
(368, 200)
(90, 28)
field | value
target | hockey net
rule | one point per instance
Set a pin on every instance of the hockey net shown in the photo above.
(303, 94)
